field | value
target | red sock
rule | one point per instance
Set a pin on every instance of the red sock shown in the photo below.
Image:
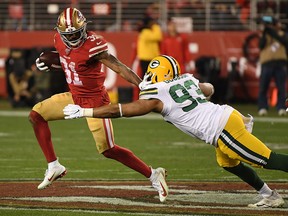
(43, 135)
(126, 157)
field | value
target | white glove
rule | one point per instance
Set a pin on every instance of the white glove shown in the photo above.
(41, 65)
(72, 111)
(145, 82)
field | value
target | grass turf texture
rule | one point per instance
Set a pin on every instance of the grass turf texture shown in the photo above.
(152, 139)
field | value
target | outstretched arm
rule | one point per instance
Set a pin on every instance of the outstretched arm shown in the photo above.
(136, 108)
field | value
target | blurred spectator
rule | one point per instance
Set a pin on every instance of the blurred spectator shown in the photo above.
(148, 42)
(26, 85)
(198, 14)
(188, 8)
(267, 7)
(222, 18)
(19, 80)
(244, 10)
(17, 20)
(245, 71)
(178, 7)
(153, 11)
(273, 59)
(176, 45)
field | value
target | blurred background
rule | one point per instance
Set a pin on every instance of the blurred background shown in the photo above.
(221, 43)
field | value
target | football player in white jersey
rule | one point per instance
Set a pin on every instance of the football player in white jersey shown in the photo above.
(183, 101)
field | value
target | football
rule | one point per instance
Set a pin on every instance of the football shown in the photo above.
(51, 59)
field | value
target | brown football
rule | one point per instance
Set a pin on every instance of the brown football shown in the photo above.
(51, 59)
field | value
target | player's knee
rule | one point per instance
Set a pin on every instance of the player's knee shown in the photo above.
(109, 153)
(227, 162)
(34, 117)
(221, 163)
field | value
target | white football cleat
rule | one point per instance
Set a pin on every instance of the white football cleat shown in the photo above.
(52, 175)
(159, 183)
(273, 201)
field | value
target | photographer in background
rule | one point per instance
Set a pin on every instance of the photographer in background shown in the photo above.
(273, 46)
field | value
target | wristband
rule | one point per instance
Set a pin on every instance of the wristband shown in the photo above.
(120, 109)
(88, 112)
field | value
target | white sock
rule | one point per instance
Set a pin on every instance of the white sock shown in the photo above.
(265, 191)
(53, 164)
(152, 173)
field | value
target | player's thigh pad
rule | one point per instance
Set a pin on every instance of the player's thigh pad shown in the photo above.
(224, 160)
(237, 143)
(102, 131)
(52, 108)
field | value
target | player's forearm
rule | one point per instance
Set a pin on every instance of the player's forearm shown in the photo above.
(108, 111)
(130, 76)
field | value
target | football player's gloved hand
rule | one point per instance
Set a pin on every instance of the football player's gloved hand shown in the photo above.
(72, 111)
(41, 65)
(146, 81)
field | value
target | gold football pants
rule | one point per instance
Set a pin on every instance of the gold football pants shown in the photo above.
(102, 129)
(236, 144)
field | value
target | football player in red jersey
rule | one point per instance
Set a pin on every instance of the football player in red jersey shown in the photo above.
(82, 54)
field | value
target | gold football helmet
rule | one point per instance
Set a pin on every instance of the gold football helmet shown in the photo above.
(71, 25)
(163, 68)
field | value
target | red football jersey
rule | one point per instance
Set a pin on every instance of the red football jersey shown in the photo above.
(85, 78)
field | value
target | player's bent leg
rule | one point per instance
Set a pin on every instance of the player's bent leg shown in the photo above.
(236, 167)
(156, 176)
(247, 174)
(43, 135)
(102, 132)
(42, 112)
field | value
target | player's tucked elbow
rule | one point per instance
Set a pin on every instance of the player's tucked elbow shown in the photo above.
(207, 89)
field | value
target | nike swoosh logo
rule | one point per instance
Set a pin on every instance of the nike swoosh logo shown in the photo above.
(98, 43)
(50, 179)
(164, 191)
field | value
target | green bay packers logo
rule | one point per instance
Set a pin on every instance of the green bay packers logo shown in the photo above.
(154, 64)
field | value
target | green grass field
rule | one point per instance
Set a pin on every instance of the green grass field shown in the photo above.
(150, 138)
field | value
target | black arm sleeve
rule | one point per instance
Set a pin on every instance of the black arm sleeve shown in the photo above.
(262, 41)
(273, 33)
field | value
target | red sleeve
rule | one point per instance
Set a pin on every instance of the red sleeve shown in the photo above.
(98, 45)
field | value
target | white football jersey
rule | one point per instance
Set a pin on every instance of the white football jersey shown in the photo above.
(186, 107)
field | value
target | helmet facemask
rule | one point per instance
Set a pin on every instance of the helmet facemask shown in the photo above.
(74, 38)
